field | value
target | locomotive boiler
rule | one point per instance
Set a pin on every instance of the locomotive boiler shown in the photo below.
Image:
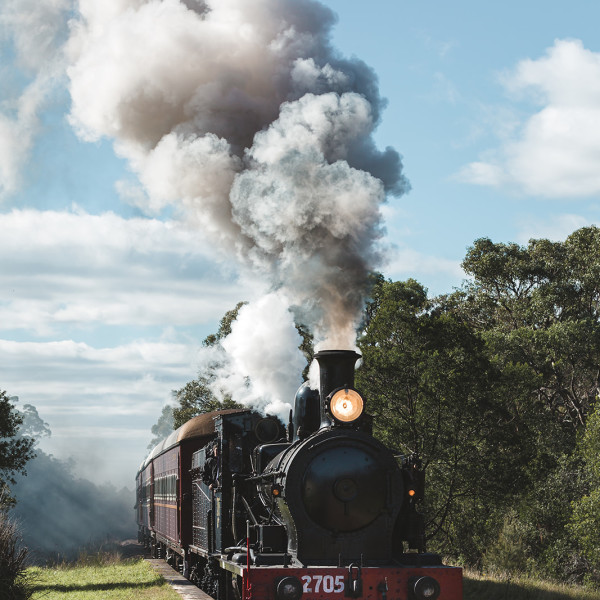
(249, 509)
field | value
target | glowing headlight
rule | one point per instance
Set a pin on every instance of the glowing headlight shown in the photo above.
(346, 405)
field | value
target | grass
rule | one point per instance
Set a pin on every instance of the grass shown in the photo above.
(108, 577)
(486, 587)
(100, 578)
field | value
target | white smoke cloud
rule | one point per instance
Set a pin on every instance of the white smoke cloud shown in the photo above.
(555, 152)
(261, 363)
(313, 221)
(238, 117)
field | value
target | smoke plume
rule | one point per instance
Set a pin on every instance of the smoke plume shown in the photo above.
(259, 361)
(238, 116)
(244, 118)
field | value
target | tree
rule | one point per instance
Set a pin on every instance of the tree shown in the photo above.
(224, 326)
(433, 392)
(539, 307)
(196, 398)
(585, 521)
(537, 310)
(163, 427)
(15, 450)
(33, 425)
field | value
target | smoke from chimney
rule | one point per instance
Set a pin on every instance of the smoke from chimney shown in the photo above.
(242, 117)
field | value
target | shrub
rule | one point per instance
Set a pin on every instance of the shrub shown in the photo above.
(510, 553)
(13, 556)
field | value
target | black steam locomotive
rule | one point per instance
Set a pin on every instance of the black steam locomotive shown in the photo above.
(249, 510)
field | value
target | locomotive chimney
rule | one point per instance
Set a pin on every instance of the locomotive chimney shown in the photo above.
(336, 369)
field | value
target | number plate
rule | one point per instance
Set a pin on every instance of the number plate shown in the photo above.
(319, 584)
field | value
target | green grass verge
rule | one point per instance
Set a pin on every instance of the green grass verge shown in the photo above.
(106, 578)
(132, 579)
(485, 587)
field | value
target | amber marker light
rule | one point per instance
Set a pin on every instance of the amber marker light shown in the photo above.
(346, 405)
(411, 492)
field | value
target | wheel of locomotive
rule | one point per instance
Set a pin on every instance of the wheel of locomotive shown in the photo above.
(197, 570)
(194, 576)
(213, 579)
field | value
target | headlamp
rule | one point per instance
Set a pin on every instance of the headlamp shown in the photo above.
(423, 588)
(289, 588)
(346, 405)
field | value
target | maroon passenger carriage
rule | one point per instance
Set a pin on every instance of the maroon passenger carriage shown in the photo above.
(164, 486)
(322, 511)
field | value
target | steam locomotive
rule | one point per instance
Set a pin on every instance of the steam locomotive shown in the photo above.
(248, 510)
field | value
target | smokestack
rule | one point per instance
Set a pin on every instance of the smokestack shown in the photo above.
(336, 370)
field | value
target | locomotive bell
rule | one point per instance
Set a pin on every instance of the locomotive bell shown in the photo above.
(336, 374)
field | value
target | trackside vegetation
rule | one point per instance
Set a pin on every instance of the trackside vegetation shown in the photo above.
(479, 587)
(13, 557)
(100, 578)
(495, 387)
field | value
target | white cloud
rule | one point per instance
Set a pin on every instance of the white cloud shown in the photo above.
(33, 29)
(556, 151)
(406, 262)
(556, 228)
(73, 276)
(90, 396)
(65, 269)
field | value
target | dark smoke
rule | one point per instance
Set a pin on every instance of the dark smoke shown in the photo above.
(243, 116)
(240, 117)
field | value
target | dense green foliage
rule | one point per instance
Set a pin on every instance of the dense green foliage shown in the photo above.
(495, 387)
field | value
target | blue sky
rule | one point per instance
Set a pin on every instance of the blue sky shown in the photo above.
(446, 70)
(495, 109)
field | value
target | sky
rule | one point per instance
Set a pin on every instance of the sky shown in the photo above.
(108, 292)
